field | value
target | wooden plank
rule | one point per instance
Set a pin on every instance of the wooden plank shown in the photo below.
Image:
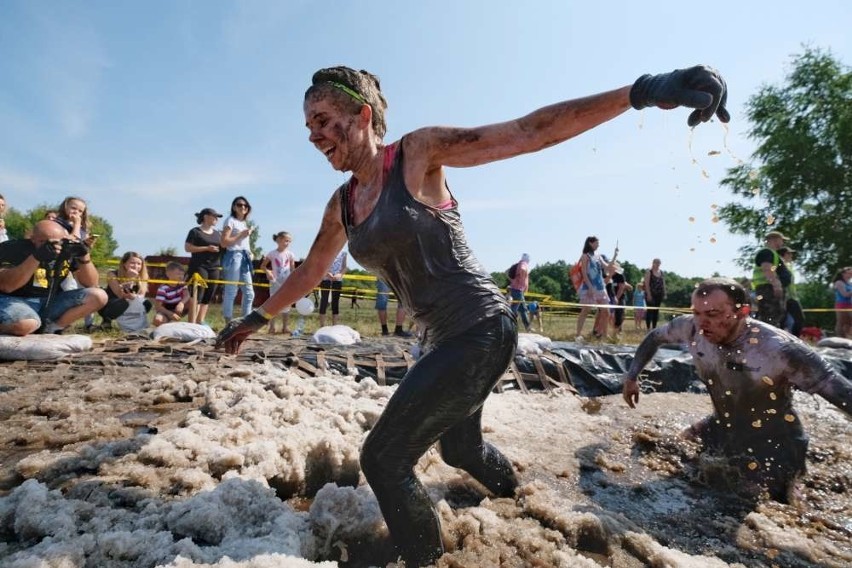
(380, 369)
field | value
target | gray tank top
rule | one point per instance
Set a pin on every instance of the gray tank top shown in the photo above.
(423, 255)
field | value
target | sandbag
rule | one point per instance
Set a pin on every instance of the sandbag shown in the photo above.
(337, 335)
(42, 347)
(182, 331)
(532, 344)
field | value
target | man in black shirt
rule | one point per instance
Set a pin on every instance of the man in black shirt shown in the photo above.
(30, 272)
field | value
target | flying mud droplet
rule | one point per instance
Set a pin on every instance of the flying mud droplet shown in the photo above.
(789, 418)
(714, 219)
(767, 380)
(770, 219)
(713, 153)
(773, 396)
(692, 219)
(757, 424)
(752, 466)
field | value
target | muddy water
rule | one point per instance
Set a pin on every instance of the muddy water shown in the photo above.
(181, 450)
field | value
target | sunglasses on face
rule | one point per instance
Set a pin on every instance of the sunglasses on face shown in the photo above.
(241, 205)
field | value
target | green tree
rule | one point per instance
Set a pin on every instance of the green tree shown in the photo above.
(799, 180)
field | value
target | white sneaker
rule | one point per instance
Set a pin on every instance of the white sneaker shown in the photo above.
(579, 339)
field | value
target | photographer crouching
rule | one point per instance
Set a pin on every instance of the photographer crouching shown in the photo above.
(31, 271)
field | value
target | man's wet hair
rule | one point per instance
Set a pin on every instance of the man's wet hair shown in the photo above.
(733, 289)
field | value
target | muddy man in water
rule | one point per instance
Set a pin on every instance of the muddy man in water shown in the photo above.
(403, 224)
(750, 369)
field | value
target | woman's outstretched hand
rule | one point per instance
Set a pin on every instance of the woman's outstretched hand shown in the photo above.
(238, 330)
(699, 87)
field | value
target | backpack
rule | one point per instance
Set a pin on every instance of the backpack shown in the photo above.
(512, 272)
(576, 275)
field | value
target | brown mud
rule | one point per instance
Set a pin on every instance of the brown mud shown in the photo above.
(106, 433)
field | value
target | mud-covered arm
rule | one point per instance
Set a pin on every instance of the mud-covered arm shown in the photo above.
(676, 331)
(813, 374)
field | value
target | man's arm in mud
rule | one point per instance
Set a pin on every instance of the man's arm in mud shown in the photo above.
(816, 376)
(673, 332)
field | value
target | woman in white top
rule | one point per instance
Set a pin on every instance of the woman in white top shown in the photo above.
(237, 262)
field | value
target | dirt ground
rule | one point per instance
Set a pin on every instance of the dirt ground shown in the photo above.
(601, 485)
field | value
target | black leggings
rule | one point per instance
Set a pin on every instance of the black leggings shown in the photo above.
(205, 295)
(334, 286)
(117, 306)
(652, 315)
(440, 399)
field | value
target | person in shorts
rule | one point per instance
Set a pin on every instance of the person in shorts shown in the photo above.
(31, 271)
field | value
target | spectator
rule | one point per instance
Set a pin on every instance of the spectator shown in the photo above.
(74, 216)
(4, 236)
(593, 290)
(517, 286)
(769, 279)
(203, 244)
(843, 302)
(750, 370)
(31, 271)
(126, 294)
(278, 264)
(535, 316)
(620, 289)
(794, 321)
(639, 305)
(172, 298)
(237, 263)
(332, 285)
(655, 293)
(383, 293)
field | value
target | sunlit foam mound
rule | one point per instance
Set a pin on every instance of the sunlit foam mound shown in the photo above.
(182, 331)
(337, 335)
(532, 344)
(42, 347)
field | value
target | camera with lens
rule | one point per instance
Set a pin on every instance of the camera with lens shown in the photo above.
(73, 249)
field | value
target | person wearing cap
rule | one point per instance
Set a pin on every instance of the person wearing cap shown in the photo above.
(769, 280)
(795, 318)
(202, 243)
(518, 285)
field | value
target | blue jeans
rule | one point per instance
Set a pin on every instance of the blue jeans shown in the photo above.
(519, 304)
(236, 267)
(14, 308)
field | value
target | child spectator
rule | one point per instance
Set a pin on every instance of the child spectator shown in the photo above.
(126, 288)
(170, 302)
(73, 215)
(639, 305)
(278, 264)
(534, 309)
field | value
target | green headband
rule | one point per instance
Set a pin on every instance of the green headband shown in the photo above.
(351, 92)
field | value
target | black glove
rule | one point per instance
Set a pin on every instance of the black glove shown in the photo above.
(233, 335)
(698, 87)
(48, 251)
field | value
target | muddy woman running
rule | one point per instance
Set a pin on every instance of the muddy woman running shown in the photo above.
(402, 224)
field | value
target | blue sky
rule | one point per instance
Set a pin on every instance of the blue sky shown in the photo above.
(152, 110)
